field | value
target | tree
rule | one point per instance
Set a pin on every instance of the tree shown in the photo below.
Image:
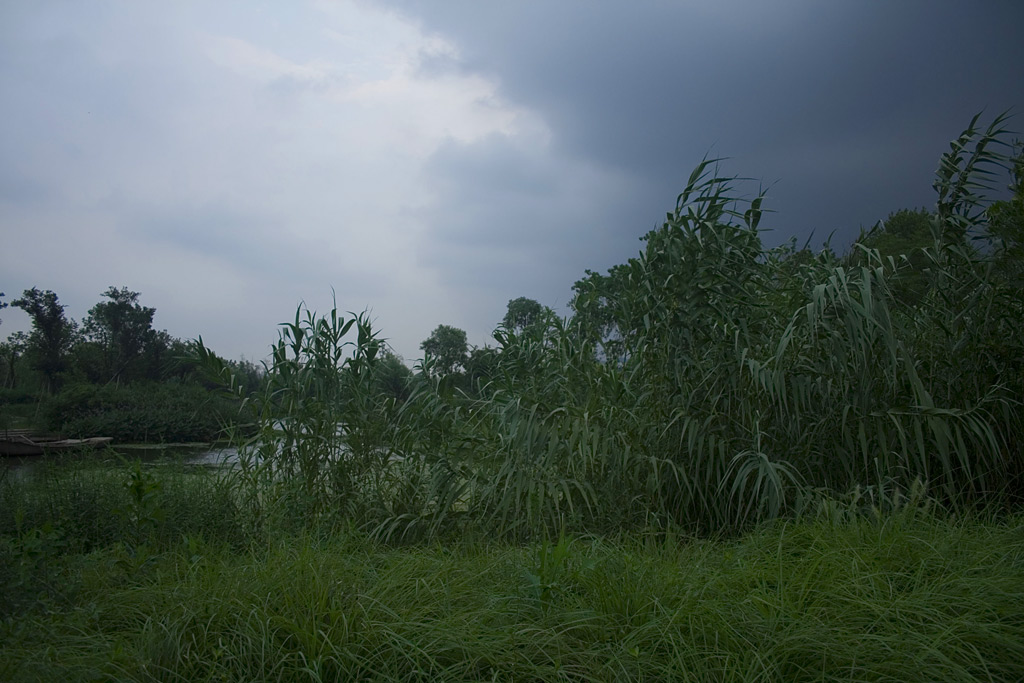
(2, 304)
(11, 350)
(904, 235)
(523, 313)
(596, 309)
(481, 367)
(1006, 224)
(446, 347)
(162, 357)
(52, 333)
(122, 328)
(391, 377)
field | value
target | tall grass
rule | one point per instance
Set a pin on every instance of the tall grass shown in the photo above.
(96, 502)
(909, 599)
(708, 384)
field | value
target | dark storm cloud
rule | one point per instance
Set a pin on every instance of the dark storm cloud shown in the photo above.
(846, 105)
(510, 220)
(435, 161)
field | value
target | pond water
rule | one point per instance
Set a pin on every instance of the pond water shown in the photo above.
(189, 454)
(197, 455)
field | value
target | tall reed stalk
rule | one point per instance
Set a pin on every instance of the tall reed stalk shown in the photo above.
(708, 383)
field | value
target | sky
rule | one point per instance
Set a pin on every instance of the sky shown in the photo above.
(429, 162)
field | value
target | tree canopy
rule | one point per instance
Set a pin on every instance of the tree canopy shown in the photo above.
(1006, 223)
(903, 235)
(52, 333)
(122, 328)
(445, 349)
(523, 313)
(10, 351)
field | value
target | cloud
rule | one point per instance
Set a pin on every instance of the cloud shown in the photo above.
(793, 91)
(229, 172)
(432, 161)
(517, 214)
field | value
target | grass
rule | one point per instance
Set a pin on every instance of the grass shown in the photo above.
(915, 597)
(99, 499)
(731, 464)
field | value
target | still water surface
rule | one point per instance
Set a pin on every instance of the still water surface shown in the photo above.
(189, 455)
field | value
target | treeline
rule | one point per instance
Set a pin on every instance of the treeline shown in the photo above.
(905, 237)
(708, 383)
(112, 374)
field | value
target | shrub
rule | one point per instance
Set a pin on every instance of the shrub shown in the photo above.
(166, 412)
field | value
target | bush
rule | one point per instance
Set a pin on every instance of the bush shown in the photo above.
(145, 412)
(16, 397)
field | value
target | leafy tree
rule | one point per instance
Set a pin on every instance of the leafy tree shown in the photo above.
(523, 313)
(446, 348)
(161, 356)
(2, 304)
(52, 333)
(88, 360)
(1006, 224)
(594, 304)
(481, 366)
(392, 377)
(123, 328)
(904, 236)
(11, 350)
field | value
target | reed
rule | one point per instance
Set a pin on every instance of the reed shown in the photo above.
(707, 384)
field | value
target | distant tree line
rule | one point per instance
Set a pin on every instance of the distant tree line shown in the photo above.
(902, 240)
(83, 376)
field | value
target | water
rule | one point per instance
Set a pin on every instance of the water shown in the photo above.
(190, 455)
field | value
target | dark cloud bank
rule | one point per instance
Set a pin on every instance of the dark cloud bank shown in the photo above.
(842, 108)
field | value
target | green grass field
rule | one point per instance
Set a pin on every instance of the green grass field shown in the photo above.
(912, 596)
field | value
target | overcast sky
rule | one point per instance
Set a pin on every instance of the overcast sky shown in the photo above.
(429, 162)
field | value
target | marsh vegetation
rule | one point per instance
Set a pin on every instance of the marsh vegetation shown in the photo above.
(731, 462)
